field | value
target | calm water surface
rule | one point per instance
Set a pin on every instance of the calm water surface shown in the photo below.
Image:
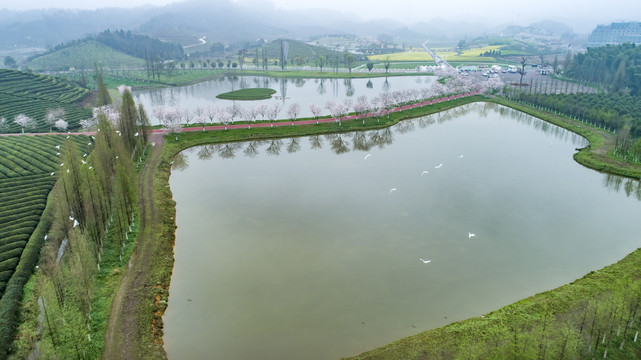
(288, 91)
(297, 248)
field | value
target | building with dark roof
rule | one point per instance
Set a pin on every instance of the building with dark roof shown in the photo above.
(616, 33)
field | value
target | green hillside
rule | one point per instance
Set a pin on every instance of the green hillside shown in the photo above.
(33, 95)
(309, 53)
(84, 55)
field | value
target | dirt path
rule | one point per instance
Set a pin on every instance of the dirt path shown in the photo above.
(124, 333)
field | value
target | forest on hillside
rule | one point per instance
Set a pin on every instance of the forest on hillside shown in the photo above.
(137, 45)
(616, 66)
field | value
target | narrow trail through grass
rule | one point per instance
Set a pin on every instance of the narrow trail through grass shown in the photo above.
(126, 332)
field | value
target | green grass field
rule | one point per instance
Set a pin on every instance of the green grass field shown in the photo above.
(248, 94)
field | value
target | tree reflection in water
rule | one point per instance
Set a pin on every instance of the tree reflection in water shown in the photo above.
(631, 187)
(293, 145)
(274, 147)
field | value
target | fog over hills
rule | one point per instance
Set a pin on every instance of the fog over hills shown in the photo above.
(230, 21)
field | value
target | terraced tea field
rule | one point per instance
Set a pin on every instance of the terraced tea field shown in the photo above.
(33, 95)
(26, 165)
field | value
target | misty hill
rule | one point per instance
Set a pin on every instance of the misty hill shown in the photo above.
(46, 28)
(108, 49)
(226, 21)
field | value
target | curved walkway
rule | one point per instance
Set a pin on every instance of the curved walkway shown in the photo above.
(320, 121)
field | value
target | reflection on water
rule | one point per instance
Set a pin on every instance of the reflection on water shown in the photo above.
(366, 140)
(284, 246)
(307, 91)
(631, 187)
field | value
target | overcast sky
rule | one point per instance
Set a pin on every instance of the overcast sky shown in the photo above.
(486, 11)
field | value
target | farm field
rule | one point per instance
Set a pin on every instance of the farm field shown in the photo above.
(33, 95)
(472, 55)
(25, 182)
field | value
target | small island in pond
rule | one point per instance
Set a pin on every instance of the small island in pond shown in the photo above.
(248, 94)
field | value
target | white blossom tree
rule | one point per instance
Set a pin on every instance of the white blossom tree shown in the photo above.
(61, 125)
(171, 120)
(88, 124)
(4, 124)
(316, 111)
(292, 111)
(212, 113)
(361, 106)
(262, 110)
(54, 115)
(225, 116)
(24, 122)
(250, 114)
(273, 112)
(111, 112)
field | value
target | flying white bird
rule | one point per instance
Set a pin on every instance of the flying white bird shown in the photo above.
(438, 166)
(116, 156)
(460, 157)
(75, 223)
(85, 155)
(46, 236)
(392, 189)
(52, 173)
(89, 144)
(71, 218)
(58, 147)
(83, 162)
(425, 261)
(67, 136)
(67, 171)
(58, 154)
(63, 164)
(368, 155)
(424, 172)
(136, 134)
(153, 144)
(91, 167)
(470, 235)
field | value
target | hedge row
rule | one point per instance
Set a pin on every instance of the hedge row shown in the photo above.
(33, 95)
(43, 86)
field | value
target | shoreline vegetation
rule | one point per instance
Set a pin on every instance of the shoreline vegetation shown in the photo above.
(542, 325)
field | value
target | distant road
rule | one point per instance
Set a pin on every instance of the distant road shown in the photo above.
(202, 41)
(437, 59)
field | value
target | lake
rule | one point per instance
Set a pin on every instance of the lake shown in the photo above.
(288, 91)
(300, 248)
